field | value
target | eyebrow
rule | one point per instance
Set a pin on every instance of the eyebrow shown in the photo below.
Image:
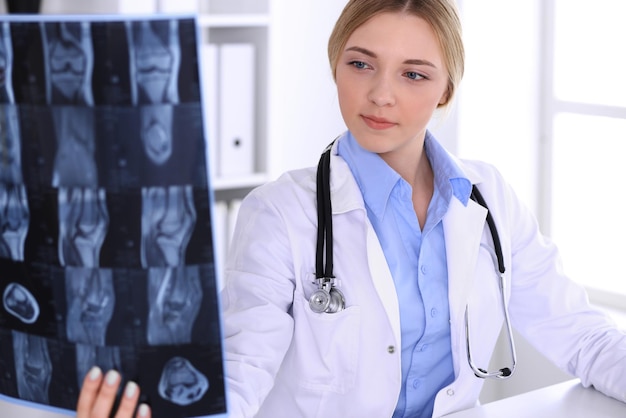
(373, 55)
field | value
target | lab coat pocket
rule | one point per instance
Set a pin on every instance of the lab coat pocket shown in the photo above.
(325, 348)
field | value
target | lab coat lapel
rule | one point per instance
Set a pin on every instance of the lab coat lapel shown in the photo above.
(346, 196)
(463, 228)
(383, 282)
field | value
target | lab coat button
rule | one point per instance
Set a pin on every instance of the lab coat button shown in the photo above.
(391, 349)
(450, 392)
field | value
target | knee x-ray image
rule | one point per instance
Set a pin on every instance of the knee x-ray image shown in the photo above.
(90, 300)
(181, 383)
(19, 302)
(33, 367)
(14, 221)
(106, 252)
(69, 57)
(174, 297)
(155, 61)
(167, 221)
(83, 223)
(74, 162)
(10, 154)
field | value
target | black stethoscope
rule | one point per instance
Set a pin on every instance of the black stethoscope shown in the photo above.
(329, 299)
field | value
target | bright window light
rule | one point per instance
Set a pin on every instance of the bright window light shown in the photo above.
(589, 52)
(588, 203)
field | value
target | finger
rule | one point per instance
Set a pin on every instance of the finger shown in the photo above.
(128, 401)
(106, 396)
(89, 392)
(144, 411)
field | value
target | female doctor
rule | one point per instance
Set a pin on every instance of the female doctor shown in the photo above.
(382, 330)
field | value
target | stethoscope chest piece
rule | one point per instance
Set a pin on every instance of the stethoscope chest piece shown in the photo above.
(327, 298)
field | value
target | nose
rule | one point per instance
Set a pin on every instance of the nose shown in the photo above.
(381, 92)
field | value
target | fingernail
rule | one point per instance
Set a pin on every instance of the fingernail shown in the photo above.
(131, 389)
(94, 373)
(112, 377)
(143, 410)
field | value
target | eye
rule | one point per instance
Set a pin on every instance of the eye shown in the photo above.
(414, 75)
(358, 65)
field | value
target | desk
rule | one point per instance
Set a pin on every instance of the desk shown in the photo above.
(568, 399)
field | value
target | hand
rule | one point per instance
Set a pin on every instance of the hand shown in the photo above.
(98, 395)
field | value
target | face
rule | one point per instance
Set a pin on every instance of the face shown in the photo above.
(390, 79)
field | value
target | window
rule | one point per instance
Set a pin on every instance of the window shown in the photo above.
(584, 131)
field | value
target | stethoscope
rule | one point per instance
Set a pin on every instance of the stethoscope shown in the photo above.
(329, 299)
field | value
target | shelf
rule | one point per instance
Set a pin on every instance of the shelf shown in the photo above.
(233, 20)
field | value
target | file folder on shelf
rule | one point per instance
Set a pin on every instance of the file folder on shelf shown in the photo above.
(236, 107)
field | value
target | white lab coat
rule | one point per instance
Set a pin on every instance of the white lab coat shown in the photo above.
(283, 360)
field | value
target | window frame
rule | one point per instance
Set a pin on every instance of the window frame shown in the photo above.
(549, 107)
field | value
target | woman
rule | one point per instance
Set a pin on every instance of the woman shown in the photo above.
(411, 252)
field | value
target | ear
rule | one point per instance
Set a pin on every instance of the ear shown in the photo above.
(445, 97)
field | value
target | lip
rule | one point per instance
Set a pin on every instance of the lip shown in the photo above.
(377, 123)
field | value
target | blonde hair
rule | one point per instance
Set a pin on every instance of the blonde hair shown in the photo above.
(442, 15)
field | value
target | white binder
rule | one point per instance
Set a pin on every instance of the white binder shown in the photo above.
(236, 73)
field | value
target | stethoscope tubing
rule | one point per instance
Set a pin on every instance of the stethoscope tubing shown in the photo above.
(504, 372)
(324, 260)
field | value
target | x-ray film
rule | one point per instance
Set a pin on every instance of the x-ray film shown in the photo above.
(106, 251)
